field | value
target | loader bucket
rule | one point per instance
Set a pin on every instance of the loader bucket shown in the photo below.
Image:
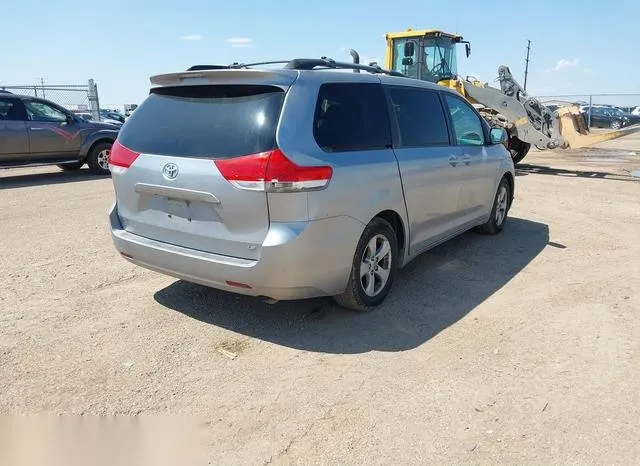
(573, 129)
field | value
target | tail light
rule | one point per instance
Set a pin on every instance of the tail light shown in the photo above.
(122, 156)
(272, 172)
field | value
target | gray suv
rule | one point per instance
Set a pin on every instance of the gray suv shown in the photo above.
(36, 131)
(302, 182)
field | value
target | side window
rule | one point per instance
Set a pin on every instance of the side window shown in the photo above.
(11, 109)
(39, 111)
(351, 117)
(467, 125)
(421, 119)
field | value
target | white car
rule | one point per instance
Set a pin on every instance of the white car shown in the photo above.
(636, 111)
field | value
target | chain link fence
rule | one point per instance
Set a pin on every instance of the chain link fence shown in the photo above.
(74, 97)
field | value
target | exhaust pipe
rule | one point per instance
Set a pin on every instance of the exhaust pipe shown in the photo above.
(356, 59)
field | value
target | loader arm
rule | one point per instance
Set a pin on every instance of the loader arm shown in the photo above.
(529, 120)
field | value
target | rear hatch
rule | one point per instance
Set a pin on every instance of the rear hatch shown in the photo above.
(165, 166)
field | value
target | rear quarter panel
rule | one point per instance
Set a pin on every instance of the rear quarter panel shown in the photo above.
(364, 183)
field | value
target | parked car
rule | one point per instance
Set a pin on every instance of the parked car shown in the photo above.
(327, 192)
(605, 117)
(36, 131)
(86, 116)
(104, 118)
(111, 120)
(636, 111)
(629, 117)
(111, 116)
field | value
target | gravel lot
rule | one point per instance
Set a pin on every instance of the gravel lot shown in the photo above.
(517, 348)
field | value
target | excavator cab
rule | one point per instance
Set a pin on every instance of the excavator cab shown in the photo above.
(428, 54)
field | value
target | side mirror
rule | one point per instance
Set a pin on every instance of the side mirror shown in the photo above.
(467, 49)
(498, 135)
(409, 48)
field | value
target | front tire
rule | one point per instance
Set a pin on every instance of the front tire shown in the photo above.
(616, 124)
(98, 158)
(499, 211)
(373, 269)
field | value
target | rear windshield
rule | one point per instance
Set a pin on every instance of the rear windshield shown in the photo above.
(219, 121)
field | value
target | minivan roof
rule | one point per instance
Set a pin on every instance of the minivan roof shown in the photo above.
(283, 77)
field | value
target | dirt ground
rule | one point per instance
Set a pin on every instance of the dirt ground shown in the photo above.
(520, 348)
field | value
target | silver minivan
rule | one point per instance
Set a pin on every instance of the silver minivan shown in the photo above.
(300, 181)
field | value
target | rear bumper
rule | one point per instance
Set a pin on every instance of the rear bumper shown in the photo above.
(299, 260)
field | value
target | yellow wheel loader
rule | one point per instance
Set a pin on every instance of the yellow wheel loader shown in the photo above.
(430, 55)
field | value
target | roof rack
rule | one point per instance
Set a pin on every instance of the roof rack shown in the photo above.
(303, 64)
(234, 65)
(324, 62)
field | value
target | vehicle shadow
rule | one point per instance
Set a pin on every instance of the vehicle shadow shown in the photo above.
(430, 294)
(55, 176)
(524, 169)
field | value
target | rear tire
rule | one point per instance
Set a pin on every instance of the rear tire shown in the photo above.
(98, 158)
(499, 211)
(67, 167)
(373, 268)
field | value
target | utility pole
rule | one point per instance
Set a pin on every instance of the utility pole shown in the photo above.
(42, 83)
(526, 66)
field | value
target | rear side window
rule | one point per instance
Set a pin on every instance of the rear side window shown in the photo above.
(216, 121)
(351, 117)
(421, 119)
(11, 109)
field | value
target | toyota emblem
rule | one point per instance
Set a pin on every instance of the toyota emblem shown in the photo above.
(170, 171)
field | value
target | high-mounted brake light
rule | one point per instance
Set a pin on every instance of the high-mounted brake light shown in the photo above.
(122, 156)
(272, 172)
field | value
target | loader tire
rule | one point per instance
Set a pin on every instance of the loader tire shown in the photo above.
(518, 149)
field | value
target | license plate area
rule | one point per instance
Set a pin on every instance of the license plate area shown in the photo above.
(178, 208)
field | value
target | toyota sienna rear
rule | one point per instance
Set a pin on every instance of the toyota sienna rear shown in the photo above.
(285, 184)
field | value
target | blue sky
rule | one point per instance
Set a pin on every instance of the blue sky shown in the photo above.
(121, 43)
